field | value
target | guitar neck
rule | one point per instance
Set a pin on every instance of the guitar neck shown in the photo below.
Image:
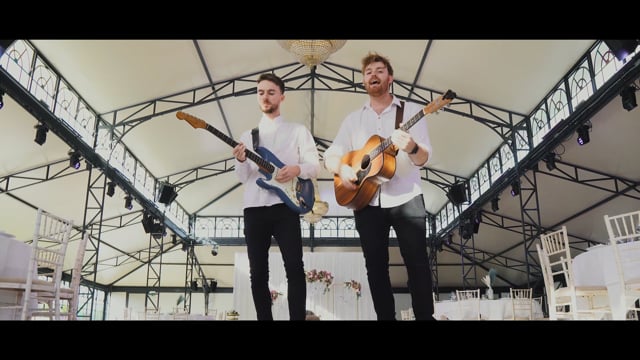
(262, 163)
(387, 142)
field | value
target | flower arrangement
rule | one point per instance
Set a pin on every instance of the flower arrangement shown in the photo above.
(356, 286)
(490, 280)
(321, 276)
(274, 295)
(233, 315)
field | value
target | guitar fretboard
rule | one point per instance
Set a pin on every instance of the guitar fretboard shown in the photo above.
(262, 163)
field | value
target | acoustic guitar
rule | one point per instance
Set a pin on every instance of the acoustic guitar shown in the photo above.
(375, 162)
(297, 194)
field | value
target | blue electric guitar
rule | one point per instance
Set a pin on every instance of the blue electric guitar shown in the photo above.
(298, 193)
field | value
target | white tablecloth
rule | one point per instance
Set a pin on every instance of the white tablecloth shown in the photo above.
(14, 263)
(499, 309)
(597, 267)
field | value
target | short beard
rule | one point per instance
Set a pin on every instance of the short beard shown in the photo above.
(269, 110)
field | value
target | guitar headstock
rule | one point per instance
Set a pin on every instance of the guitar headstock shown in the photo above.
(442, 101)
(192, 120)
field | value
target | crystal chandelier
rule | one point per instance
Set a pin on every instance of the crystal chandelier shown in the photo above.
(312, 52)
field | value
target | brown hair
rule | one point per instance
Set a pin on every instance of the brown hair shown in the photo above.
(375, 57)
(274, 79)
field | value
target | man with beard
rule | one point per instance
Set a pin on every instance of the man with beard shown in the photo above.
(266, 214)
(397, 202)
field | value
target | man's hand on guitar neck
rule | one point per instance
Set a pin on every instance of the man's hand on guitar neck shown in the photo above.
(239, 151)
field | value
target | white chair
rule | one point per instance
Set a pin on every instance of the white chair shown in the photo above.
(626, 228)
(540, 304)
(556, 261)
(521, 303)
(468, 302)
(71, 294)
(407, 314)
(44, 275)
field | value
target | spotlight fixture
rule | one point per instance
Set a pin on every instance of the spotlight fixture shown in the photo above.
(167, 193)
(214, 250)
(583, 134)
(622, 48)
(185, 246)
(41, 134)
(213, 285)
(477, 219)
(628, 95)
(515, 188)
(494, 204)
(550, 160)
(1, 99)
(128, 202)
(457, 193)
(111, 188)
(194, 285)
(147, 222)
(74, 159)
(174, 239)
(466, 228)
(158, 231)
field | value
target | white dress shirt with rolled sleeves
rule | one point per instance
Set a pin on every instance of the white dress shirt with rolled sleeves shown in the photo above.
(291, 143)
(358, 127)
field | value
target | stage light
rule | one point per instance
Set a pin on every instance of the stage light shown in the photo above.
(174, 239)
(515, 188)
(477, 219)
(494, 204)
(185, 246)
(550, 160)
(583, 134)
(41, 134)
(622, 48)
(74, 159)
(128, 202)
(158, 231)
(147, 222)
(457, 193)
(194, 285)
(628, 95)
(213, 285)
(111, 188)
(167, 194)
(466, 228)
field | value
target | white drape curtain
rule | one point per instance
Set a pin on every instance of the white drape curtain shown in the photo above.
(337, 302)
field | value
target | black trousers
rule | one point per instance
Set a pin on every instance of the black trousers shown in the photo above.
(279, 221)
(408, 220)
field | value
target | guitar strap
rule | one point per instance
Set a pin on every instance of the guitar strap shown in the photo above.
(399, 113)
(254, 135)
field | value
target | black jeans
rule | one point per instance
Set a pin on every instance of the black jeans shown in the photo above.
(408, 220)
(279, 221)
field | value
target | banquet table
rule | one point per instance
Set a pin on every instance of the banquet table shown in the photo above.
(498, 309)
(14, 263)
(597, 267)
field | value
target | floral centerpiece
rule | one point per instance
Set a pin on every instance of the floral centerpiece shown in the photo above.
(355, 286)
(490, 280)
(322, 276)
(233, 315)
(274, 295)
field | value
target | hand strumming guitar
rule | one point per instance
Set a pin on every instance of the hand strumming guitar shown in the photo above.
(287, 173)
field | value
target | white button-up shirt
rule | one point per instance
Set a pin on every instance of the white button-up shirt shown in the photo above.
(358, 127)
(291, 143)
